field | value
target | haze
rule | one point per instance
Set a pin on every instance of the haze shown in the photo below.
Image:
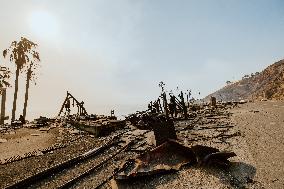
(113, 54)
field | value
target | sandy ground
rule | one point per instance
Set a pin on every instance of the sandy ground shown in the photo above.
(263, 126)
(24, 140)
(257, 137)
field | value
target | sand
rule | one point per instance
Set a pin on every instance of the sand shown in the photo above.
(263, 126)
(24, 140)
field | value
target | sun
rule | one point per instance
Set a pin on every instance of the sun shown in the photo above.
(43, 24)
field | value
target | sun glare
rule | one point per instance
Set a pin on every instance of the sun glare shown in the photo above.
(43, 24)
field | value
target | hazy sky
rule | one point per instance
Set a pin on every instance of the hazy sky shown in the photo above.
(113, 53)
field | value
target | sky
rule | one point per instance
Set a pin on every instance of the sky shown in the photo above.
(113, 53)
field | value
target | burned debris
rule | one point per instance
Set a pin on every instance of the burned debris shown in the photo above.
(162, 126)
(173, 134)
(168, 156)
(81, 111)
(171, 156)
(97, 125)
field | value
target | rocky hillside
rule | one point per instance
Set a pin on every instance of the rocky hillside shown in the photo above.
(268, 84)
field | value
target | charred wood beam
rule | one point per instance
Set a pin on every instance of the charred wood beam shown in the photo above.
(81, 109)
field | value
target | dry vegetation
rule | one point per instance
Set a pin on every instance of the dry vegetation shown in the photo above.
(268, 84)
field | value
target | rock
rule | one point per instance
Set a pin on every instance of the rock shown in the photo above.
(35, 134)
(39, 153)
(2, 161)
(44, 129)
(2, 140)
(75, 131)
(213, 101)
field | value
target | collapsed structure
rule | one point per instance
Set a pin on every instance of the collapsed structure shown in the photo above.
(162, 139)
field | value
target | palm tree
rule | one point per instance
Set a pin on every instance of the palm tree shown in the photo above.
(4, 77)
(4, 83)
(20, 53)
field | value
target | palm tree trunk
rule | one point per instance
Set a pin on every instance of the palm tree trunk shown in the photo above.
(29, 72)
(3, 101)
(15, 94)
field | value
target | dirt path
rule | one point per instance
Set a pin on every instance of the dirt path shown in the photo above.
(262, 124)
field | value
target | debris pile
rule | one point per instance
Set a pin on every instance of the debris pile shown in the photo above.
(167, 138)
(170, 156)
(162, 126)
(40, 122)
(99, 127)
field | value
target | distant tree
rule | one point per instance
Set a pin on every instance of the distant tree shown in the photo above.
(245, 77)
(19, 53)
(162, 85)
(256, 73)
(228, 82)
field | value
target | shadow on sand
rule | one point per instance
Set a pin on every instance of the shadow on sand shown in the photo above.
(235, 175)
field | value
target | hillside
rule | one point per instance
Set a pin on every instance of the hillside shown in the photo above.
(268, 84)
